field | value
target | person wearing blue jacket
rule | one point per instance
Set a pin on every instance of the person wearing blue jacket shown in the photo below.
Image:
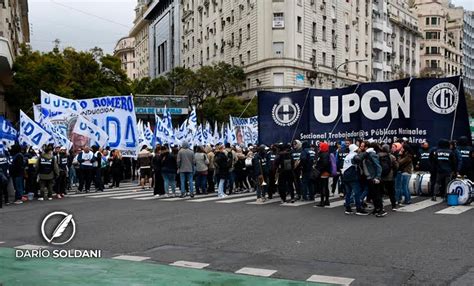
(307, 158)
(373, 172)
(4, 176)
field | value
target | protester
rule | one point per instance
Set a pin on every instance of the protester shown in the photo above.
(116, 168)
(144, 166)
(97, 173)
(202, 163)
(221, 169)
(322, 166)
(261, 173)
(158, 189)
(169, 168)
(63, 173)
(17, 172)
(307, 159)
(86, 160)
(48, 170)
(466, 167)
(31, 182)
(295, 153)
(240, 170)
(350, 173)
(405, 169)
(185, 161)
(4, 177)
(284, 163)
(373, 172)
(444, 162)
(210, 175)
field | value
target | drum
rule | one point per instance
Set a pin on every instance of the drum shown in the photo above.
(464, 188)
(413, 184)
(424, 184)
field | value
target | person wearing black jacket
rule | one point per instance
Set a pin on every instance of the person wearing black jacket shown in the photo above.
(31, 172)
(284, 164)
(444, 162)
(261, 172)
(222, 165)
(17, 172)
(467, 158)
(4, 165)
(159, 189)
(116, 168)
(169, 168)
(307, 158)
(323, 167)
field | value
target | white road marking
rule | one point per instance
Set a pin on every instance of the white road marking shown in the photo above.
(190, 264)
(335, 204)
(419, 206)
(131, 258)
(225, 201)
(101, 193)
(2, 242)
(330, 280)
(122, 186)
(274, 200)
(256, 271)
(120, 194)
(297, 203)
(455, 210)
(215, 198)
(31, 247)
(136, 195)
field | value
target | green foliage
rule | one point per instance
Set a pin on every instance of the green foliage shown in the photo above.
(68, 73)
(213, 111)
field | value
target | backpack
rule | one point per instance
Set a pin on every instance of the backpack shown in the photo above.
(386, 163)
(332, 165)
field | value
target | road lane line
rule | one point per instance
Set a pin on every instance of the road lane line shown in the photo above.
(120, 194)
(297, 203)
(137, 195)
(330, 280)
(190, 264)
(274, 200)
(256, 271)
(131, 258)
(231, 201)
(217, 198)
(31, 247)
(419, 206)
(455, 210)
(100, 193)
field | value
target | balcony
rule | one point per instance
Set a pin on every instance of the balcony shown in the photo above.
(6, 61)
(377, 25)
(377, 65)
(378, 45)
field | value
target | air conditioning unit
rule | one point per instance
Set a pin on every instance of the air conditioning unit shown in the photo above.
(315, 39)
(334, 20)
(334, 45)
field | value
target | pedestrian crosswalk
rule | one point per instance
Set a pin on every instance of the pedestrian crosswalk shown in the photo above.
(131, 191)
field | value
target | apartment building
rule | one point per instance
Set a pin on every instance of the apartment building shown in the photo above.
(14, 31)
(281, 45)
(468, 53)
(140, 33)
(381, 39)
(164, 36)
(442, 27)
(125, 51)
(404, 41)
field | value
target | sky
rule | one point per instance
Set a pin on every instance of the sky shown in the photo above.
(84, 24)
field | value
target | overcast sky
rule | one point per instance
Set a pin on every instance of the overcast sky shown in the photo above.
(84, 24)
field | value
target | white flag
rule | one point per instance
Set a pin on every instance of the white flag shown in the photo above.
(31, 133)
(87, 128)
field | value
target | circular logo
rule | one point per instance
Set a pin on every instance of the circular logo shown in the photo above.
(58, 224)
(285, 113)
(443, 98)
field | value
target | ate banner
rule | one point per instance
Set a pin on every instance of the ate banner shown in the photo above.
(418, 109)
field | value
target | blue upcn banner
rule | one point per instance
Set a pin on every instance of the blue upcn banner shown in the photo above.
(418, 109)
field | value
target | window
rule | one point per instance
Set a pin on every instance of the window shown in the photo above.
(314, 30)
(333, 61)
(324, 33)
(427, 20)
(434, 21)
(298, 24)
(434, 64)
(278, 21)
(248, 31)
(298, 51)
(324, 59)
(248, 57)
(278, 49)
(278, 79)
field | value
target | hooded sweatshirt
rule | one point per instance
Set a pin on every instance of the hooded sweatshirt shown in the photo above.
(348, 160)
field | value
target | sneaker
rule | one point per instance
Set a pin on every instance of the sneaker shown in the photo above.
(259, 201)
(341, 195)
(182, 196)
(326, 203)
(348, 211)
(381, 214)
(192, 196)
(362, 212)
(292, 201)
(157, 196)
(40, 199)
(50, 198)
(395, 209)
(18, 202)
(321, 205)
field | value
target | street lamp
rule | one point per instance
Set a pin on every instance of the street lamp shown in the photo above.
(343, 64)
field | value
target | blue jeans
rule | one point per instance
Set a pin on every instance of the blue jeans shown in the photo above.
(169, 180)
(308, 187)
(261, 190)
(221, 190)
(19, 186)
(405, 191)
(364, 189)
(189, 177)
(72, 175)
(353, 187)
(201, 182)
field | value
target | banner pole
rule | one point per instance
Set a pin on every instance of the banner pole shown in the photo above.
(299, 120)
(248, 104)
(339, 119)
(391, 120)
(456, 110)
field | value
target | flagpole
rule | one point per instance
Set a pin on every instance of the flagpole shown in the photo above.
(456, 110)
(248, 104)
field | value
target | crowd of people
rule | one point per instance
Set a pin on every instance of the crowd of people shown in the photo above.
(362, 171)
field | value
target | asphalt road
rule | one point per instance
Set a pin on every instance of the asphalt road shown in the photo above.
(416, 248)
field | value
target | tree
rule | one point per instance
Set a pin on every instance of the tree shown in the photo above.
(213, 111)
(67, 73)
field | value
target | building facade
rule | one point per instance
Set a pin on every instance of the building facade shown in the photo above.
(125, 51)
(281, 45)
(468, 53)
(14, 31)
(164, 36)
(140, 33)
(381, 39)
(442, 27)
(404, 41)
